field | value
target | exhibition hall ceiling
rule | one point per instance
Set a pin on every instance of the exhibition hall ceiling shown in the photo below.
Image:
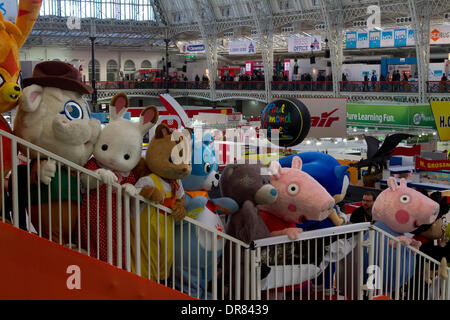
(146, 23)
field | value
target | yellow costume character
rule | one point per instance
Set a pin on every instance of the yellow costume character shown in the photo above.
(156, 228)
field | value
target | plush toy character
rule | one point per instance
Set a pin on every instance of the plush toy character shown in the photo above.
(335, 179)
(300, 199)
(116, 152)
(12, 37)
(162, 185)
(203, 177)
(249, 186)
(427, 233)
(399, 210)
(434, 243)
(53, 115)
(331, 175)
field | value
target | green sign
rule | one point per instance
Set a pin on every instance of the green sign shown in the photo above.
(390, 116)
(190, 56)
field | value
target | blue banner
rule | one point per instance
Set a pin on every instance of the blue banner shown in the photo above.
(378, 39)
(374, 39)
(400, 37)
(350, 40)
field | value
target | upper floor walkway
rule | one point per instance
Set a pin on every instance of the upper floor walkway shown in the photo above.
(400, 91)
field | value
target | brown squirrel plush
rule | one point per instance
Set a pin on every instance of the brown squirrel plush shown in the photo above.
(159, 181)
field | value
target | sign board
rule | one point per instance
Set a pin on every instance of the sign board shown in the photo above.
(440, 34)
(432, 165)
(378, 39)
(242, 47)
(303, 44)
(290, 117)
(441, 114)
(387, 116)
(192, 48)
(8, 9)
(328, 117)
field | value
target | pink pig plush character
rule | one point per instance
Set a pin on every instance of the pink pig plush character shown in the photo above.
(300, 198)
(403, 209)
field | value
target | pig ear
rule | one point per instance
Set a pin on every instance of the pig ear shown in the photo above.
(118, 106)
(403, 182)
(297, 163)
(392, 183)
(31, 98)
(275, 169)
(149, 117)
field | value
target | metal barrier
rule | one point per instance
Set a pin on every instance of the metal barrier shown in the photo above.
(345, 86)
(78, 211)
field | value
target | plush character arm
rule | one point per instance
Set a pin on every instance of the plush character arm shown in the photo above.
(406, 241)
(179, 210)
(152, 194)
(225, 205)
(292, 233)
(194, 205)
(334, 216)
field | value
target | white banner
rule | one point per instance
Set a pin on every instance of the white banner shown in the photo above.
(328, 117)
(9, 10)
(304, 44)
(242, 47)
(192, 48)
(440, 34)
(363, 40)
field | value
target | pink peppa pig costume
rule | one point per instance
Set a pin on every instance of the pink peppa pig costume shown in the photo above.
(399, 210)
(300, 198)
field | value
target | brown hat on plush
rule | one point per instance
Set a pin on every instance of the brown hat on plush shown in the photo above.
(57, 74)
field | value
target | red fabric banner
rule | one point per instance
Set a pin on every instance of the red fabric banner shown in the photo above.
(407, 151)
(432, 165)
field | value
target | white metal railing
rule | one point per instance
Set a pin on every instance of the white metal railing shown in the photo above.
(141, 237)
(122, 242)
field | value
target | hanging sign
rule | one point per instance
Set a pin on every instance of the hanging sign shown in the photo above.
(303, 44)
(241, 47)
(441, 114)
(192, 48)
(9, 10)
(290, 117)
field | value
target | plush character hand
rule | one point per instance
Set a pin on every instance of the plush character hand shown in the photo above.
(415, 244)
(406, 241)
(152, 194)
(179, 210)
(130, 189)
(106, 176)
(48, 169)
(293, 233)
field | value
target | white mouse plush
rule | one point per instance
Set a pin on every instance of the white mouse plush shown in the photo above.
(116, 152)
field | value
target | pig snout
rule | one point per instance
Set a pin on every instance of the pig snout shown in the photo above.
(73, 132)
(325, 208)
(267, 194)
(433, 209)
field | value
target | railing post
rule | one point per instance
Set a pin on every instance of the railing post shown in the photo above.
(15, 188)
(397, 270)
(361, 265)
(214, 265)
(253, 269)
(109, 222)
(371, 246)
(127, 233)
